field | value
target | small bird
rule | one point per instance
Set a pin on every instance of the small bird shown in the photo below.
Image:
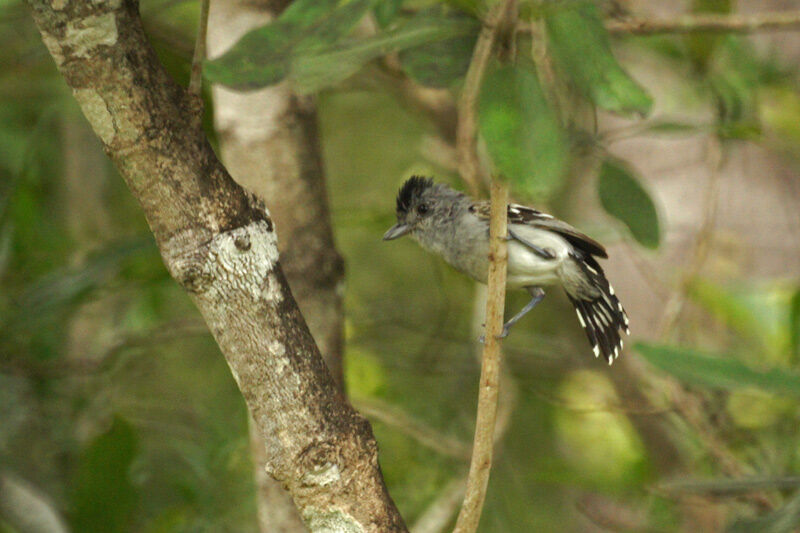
(542, 250)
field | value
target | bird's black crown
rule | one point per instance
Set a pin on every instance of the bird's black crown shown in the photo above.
(412, 189)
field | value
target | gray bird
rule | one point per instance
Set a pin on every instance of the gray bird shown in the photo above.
(542, 250)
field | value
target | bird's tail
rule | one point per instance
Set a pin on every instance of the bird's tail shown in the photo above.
(602, 315)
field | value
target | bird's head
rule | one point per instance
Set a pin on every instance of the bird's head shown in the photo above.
(418, 201)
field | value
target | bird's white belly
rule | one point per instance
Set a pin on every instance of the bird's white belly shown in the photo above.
(527, 268)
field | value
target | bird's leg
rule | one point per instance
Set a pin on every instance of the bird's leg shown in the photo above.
(537, 293)
(544, 253)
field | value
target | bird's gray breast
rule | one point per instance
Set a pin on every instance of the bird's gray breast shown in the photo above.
(462, 241)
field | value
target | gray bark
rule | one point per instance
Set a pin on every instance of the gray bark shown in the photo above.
(219, 244)
(268, 140)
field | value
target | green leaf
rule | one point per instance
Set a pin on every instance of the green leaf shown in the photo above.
(264, 56)
(103, 497)
(794, 327)
(314, 70)
(440, 63)
(522, 133)
(624, 198)
(672, 128)
(581, 49)
(386, 11)
(718, 372)
(753, 312)
(700, 45)
(315, 55)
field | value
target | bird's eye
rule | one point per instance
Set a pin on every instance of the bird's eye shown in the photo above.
(422, 209)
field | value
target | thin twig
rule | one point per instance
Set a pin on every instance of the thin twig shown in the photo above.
(424, 435)
(728, 487)
(481, 463)
(439, 513)
(469, 165)
(708, 22)
(702, 242)
(196, 79)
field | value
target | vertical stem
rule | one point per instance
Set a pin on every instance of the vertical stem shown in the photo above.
(469, 165)
(196, 79)
(481, 463)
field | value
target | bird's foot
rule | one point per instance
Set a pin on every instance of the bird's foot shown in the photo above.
(503, 334)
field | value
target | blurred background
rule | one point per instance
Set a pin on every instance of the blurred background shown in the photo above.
(118, 413)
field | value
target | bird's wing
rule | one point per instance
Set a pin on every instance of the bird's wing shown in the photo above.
(520, 214)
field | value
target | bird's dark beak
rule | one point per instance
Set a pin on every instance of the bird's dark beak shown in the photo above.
(396, 231)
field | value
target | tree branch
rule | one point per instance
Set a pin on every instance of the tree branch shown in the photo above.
(469, 165)
(481, 463)
(708, 22)
(502, 18)
(219, 243)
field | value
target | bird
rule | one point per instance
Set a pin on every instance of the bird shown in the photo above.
(542, 251)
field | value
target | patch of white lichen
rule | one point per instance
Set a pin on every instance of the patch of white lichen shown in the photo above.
(336, 521)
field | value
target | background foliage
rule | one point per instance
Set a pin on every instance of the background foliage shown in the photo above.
(115, 403)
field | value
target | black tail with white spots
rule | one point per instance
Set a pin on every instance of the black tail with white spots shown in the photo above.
(602, 317)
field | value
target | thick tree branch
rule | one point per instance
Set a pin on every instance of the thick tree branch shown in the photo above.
(269, 142)
(220, 245)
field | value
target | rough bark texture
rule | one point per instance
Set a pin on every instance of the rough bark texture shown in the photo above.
(220, 245)
(270, 145)
(269, 142)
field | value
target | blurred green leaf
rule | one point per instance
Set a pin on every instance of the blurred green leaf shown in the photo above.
(103, 497)
(476, 8)
(794, 327)
(783, 520)
(581, 49)
(624, 198)
(522, 133)
(734, 79)
(725, 373)
(670, 127)
(779, 112)
(386, 11)
(316, 60)
(440, 63)
(364, 374)
(264, 56)
(325, 67)
(700, 45)
(751, 311)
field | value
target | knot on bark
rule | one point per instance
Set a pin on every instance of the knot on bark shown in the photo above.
(239, 259)
(319, 462)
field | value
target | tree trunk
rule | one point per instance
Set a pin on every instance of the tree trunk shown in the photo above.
(219, 243)
(268, 140)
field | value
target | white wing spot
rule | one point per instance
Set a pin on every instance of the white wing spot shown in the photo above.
(596, 350)
(580, 318)
(611, 289)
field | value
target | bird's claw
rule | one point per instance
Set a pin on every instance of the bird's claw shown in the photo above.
(503, 334)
